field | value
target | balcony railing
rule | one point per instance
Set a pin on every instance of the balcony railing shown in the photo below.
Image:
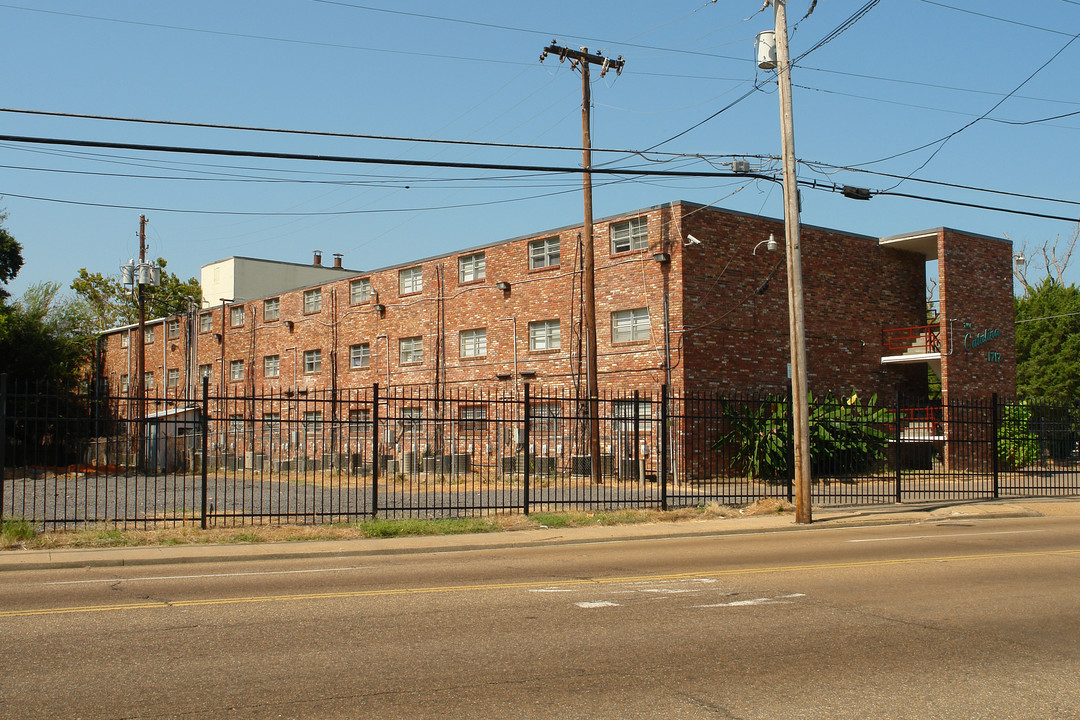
(919, 339)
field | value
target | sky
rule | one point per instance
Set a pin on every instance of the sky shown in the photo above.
(916, 96)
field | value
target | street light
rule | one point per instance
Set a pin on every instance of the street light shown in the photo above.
(769, 244)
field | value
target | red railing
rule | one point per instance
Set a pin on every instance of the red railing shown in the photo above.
(920, 338)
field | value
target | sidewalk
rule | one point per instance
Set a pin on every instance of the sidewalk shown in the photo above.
(823, 518)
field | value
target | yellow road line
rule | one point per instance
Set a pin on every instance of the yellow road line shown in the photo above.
(703, 574)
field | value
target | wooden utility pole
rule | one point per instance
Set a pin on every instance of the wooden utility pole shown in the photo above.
(140, 363)
(582, 59)
(797, 325)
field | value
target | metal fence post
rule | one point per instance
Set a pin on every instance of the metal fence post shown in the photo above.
(994, 440)
(663, 446)
(896, 449)
(205, 445)
(3, 438)
(790, 449)
(528, 455)
(376, 456)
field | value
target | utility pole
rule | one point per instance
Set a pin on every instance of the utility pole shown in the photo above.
(140, 371)
(797, 318)
(582, 59)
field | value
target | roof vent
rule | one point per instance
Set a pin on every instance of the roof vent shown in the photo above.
(317, 262)
(337, 260)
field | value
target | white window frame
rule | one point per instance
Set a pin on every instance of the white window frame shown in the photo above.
(125, 339)
(206, 322)
(544, 417)
(271, 366)
(471, 418)
(271, 308)
(472, 268)
(236, 316)
(206, 371)
(359, 291)
(313, 361)
(360, 356)
(544, 253)
(313, 421)
(628, 235)
(172, 377)
(125, 383)
(236, 370)
(411, 350)
(148, 380)
(411, 280)
(312, 301)
(148, 335)
(172, 328)
(473, 343)
(631, 325)
(545, 335)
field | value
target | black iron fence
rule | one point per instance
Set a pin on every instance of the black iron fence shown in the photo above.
(67, 460)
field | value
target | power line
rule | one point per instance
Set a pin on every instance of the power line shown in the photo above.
(995, 17)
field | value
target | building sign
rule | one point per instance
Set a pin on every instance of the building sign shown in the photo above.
(973, 340)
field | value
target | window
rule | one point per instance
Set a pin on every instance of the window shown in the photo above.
(410, 280)
(236, 370)
(544, 253)
(172, 329)
(204, 322)
(148, 381)
(149, 335)
(313, 300)
(471, 418)
(272, 366)
(313, 420)
(271, 423)
(474, 343)
(359, 417)
(172, 377)
(412, 350)
(544, 417)
(629, 235)
(544, 335)
(410, 418)
(359, 291)
(206, 371)
(359, 356)
(236, 316)
(271, 308)
(236, 423)
(124, 383)
(125, 338)
(471, 267)
(630, 325)
(312, 361)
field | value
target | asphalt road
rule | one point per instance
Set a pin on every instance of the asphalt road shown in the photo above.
(972, 619)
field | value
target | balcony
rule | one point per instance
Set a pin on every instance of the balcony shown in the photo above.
(918, 344)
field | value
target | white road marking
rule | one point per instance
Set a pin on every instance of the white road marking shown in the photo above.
(924, 537)
(780, 600)
(209, 575)
(552, 590)
(599, 604)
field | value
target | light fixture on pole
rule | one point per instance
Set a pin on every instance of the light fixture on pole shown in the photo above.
(769, 244)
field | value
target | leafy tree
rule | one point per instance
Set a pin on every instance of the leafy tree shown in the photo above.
(1048, 343)
(11, 259)
(45, 337)
(112, 303)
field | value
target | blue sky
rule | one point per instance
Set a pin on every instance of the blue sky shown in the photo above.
(907, 73)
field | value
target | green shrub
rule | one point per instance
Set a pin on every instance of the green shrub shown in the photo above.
(1017, 445)
(16, 530)
(846, 436)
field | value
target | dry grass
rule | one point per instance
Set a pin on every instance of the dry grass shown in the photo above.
(103, 536)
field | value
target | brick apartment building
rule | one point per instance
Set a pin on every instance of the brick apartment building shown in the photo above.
(687, 295)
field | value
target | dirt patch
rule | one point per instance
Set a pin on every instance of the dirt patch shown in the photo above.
(767, 506)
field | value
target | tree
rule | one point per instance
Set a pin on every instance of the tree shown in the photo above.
(112, 303)
(1048, 343)
(11, 259)
(45, 337)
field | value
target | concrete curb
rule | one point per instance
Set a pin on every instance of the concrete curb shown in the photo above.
(14, 560)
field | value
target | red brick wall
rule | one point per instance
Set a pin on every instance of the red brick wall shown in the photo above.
(727, 310)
